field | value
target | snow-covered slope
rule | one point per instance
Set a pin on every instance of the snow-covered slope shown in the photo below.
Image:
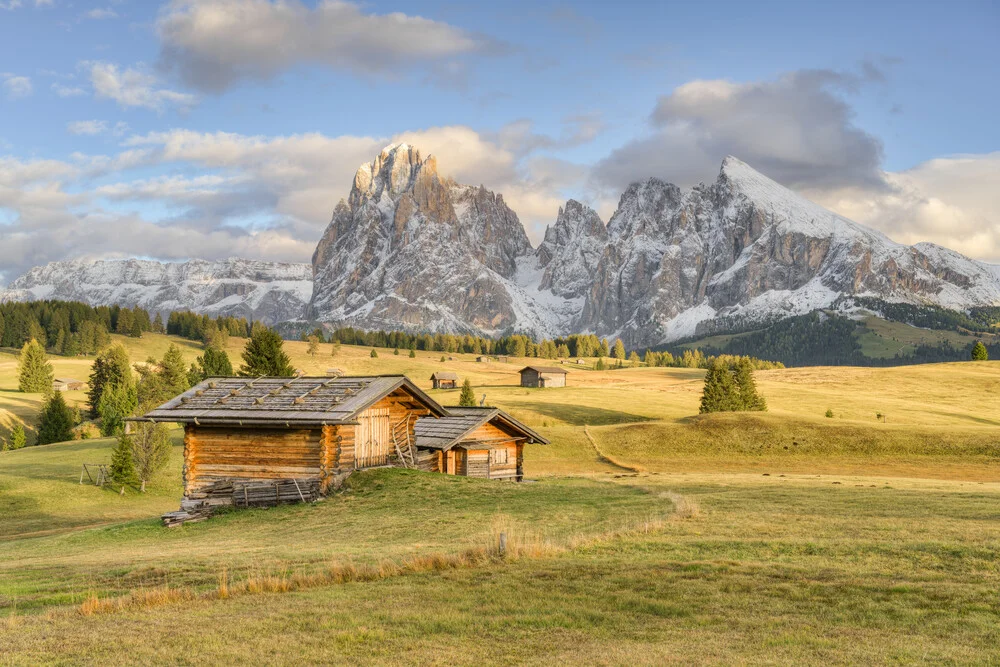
(267, 291)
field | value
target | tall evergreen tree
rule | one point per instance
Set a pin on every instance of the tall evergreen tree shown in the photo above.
(749, 398)
(979, 352)
(34, 372)
(56, 420)
(468, 397)
(720, 393)
(17, 439)
(158, 324)
(122, 467)
(264, 354)
(619, 351)
(118, 402)
(110, 367)
(174, 371)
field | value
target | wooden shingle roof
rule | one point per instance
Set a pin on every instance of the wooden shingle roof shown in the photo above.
(544, 369)
(445, 375)
(446, 432)
(284, 401)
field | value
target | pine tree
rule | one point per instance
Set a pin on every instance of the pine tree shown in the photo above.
(158, 324)
(749, 398)
(150, 450)
(264, 355)
(979, 352)
(34, 372)
(17, 438)
(374, 354)
(619, 350)
(118, 402)
(633, 358)
(110, 367)
(313, 348)
(720, 393)
(600, 366)
(413, 353)
(56, 421)
(603, 350)
(174, 371)
(122, 467)
(215, 363)
(468, 397)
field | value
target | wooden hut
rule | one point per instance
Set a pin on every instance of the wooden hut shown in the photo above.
(543, 376)
(284, 435)
(68, 384)
(474, 442)
(444, 380)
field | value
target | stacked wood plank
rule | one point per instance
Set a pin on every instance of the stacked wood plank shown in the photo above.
(283, 492)
(194, 512)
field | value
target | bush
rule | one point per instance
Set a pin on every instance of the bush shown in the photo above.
(829, 413)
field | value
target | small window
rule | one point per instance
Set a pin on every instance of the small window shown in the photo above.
(498, 456)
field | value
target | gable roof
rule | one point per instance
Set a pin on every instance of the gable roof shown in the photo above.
(444, 375)
(67, 381)
(544, 369)
(302, 401)
(446, 432)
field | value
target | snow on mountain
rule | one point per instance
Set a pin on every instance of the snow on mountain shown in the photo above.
(411, 249)
(267, 291)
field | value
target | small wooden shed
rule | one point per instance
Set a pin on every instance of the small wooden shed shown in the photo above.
(474, 442)
(68, 384)
(543, 376)
(444, 380)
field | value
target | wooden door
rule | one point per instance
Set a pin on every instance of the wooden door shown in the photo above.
(372, 439)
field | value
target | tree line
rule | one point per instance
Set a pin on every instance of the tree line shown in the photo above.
(71, 328)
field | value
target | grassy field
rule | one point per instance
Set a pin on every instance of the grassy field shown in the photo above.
(650, 535)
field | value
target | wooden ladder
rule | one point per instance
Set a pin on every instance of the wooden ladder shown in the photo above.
(401, 440)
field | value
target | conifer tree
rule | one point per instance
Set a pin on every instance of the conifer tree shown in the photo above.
(600, 366)
(150, 450)
(264, 354)
(313, 348)
(136, 330)
(118, 402)
(56, 420)
(720, 393)
(468, 397)
(979, 352)
(374, 354)
(602, 349)
(17, 439)
(174, 371)
(110, 367)
(34, 372)
(749, 398)
(158, 324)
(215, 363)
(122, 467)
(413, 353)
(619, 350)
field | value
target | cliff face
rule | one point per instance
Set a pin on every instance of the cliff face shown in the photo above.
(267, 291)
(410, 249)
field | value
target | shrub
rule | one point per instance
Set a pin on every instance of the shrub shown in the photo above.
(829, 413)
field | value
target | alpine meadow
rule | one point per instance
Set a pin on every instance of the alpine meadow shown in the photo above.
(527, 333)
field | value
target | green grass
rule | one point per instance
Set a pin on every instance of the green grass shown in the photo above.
(816, 541)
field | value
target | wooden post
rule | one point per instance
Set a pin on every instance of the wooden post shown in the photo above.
(503, 545)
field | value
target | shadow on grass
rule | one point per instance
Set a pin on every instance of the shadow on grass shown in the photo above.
(579, 415)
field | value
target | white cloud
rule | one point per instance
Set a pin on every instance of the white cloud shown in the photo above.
(67, 91)
(215, 43)
(134, 88)
(17, 86)
(87, 127)
(10, 4)
(102, 13)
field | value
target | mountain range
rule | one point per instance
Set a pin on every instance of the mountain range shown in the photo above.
(412, 249)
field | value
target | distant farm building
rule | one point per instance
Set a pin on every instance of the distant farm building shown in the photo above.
(297, 437)
(543, 376)
(483, 359)
(444, 380)
(68, 384)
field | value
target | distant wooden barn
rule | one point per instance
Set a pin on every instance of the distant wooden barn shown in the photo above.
(311, 432)
(543, 376)
(444, 380)
(68, 384)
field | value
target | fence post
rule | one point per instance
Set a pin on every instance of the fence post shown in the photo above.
(503, 545)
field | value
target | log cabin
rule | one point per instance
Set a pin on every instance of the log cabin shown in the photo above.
(444, 380)
(543, 376)
(315, 431)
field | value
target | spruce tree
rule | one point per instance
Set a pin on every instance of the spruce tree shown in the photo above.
(174, 371)
(110, 367)
(118, 402)
(122, 467)
(374, 354)
(602, 349)
(720, 393)
(34, 372)
(17, 438)
(264, 354)
(619, 351)
(749, 398)
(150, 450)
(56, 421)
(158, 324)
(979, 352)
(468, 397)
(413, 353)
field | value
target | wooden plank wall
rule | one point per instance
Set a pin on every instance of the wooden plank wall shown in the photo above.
(248, 455)
(477, 463)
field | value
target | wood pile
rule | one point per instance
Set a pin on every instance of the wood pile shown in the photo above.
(190, 512)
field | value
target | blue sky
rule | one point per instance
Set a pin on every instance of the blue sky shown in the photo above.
(140, 128)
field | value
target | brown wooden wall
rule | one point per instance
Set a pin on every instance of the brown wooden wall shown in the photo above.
(485, 462)
(213, 454)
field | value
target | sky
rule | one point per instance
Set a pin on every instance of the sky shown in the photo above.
(217, 128)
